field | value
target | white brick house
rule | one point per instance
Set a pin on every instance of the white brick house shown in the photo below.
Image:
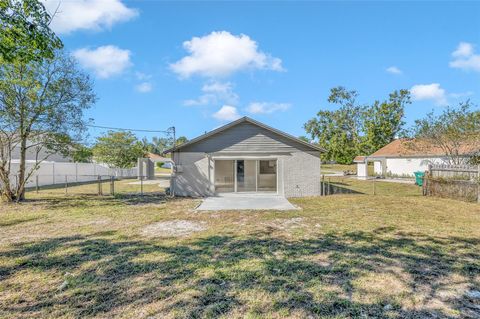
(246, 156)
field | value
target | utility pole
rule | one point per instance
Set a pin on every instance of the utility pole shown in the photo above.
(172, 181)
(174, 137)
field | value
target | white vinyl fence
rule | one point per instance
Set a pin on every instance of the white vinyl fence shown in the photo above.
(51, 173)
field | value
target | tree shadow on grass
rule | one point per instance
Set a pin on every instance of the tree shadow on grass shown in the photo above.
(213, 276)
(84, 201)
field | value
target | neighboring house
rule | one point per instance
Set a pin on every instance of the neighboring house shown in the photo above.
(32, 156)
(167, 161)
(246, 156)
(403, 157)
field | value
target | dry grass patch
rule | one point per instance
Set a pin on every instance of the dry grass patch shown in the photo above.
(397, 255)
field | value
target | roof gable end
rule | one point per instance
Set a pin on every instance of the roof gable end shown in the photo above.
(269, 131)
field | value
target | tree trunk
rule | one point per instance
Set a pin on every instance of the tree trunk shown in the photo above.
(20, 193)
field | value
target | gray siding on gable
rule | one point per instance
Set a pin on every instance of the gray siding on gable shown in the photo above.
(31, 155)
(246, 137)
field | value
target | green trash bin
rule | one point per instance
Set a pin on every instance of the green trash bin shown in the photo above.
(419, 178)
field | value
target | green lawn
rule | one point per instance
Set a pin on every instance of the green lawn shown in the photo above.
(163, 170)
(339, 167)
(392, 255)
(333, 168)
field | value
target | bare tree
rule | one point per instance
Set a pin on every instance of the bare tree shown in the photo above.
(41, 112)
(455, 132)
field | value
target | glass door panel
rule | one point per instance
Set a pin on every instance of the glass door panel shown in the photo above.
(224, 176)
(246, 176)
(267, 176)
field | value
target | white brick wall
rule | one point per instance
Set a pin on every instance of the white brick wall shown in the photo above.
(298, 174)
(302, 175)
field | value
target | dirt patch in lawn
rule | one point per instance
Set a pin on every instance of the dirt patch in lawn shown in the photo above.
(286, 223)
(173, 228)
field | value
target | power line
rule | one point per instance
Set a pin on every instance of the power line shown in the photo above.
(169, 130)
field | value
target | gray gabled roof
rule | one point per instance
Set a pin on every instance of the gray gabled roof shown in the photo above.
(242, 120)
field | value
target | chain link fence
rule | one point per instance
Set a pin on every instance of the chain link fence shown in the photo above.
(100, 185)
(338, 185)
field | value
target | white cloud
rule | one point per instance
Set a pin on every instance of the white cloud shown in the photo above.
(144, 87)
(104, 61)
(431, 91)
(464, 49)
(394, 70)
(215, 93)
(465, 58)
(87, 14)
(227, 113)
(220, 54)
(267, 107)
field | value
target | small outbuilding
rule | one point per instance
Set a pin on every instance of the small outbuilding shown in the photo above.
(246, 156)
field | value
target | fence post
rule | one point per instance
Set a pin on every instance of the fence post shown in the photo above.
(99, 178)
(36, 183)
(328, 186)
(323, 185)
(424, 183)
(53, 173)
(478, 184)
(141, 185)
(374, 192)
(66, 184)
(112, 185)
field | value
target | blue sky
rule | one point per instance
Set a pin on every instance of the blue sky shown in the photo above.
(198, 65)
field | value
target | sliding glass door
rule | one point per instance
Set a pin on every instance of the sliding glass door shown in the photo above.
(245, 176)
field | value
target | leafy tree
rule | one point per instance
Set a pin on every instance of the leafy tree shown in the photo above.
(81, 153)
(118, 149)
(159, 145)
(338, 132)
(41, 112)
(451, 131)
(26, 35)
(383, 121)
(304, 138)
(181, 140)
(354, 129)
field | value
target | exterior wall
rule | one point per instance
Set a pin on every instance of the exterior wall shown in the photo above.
(408, 165)
(194, 175)
(298, 174)
(377, 168)
(362, 170)
(301, 174)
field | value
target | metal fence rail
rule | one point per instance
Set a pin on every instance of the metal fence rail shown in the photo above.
(102, 185)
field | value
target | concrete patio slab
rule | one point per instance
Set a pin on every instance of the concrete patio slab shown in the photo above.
(253, 201)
